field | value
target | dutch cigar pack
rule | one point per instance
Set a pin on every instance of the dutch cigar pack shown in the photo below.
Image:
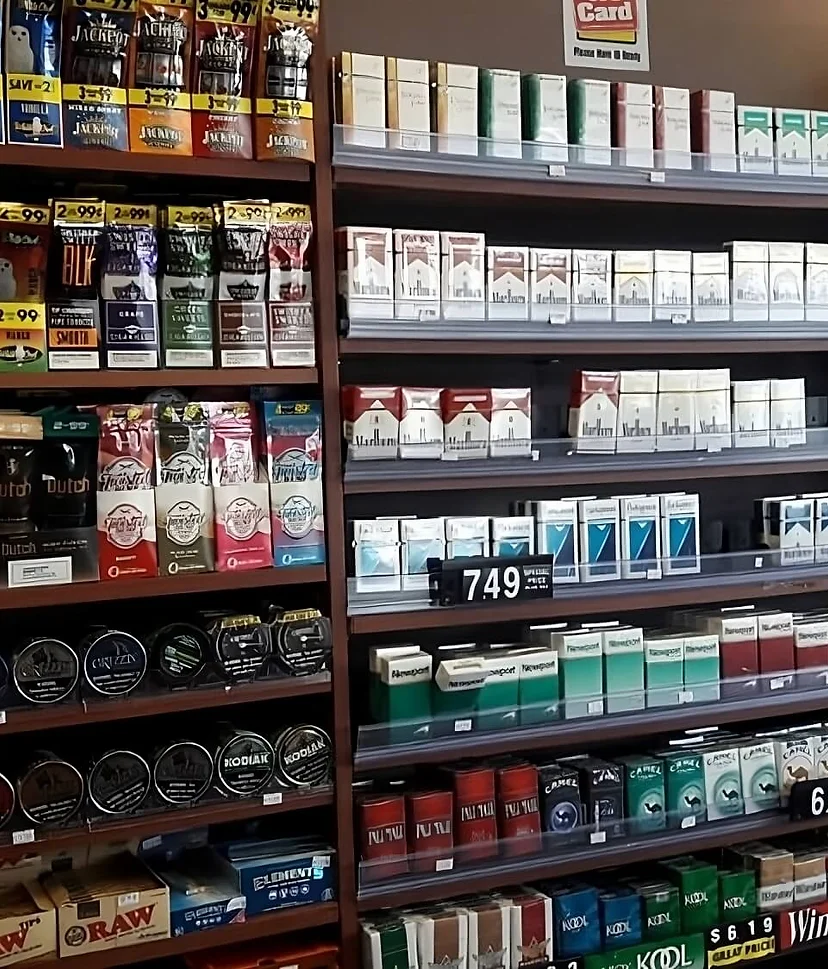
(416, 274)
(671, 135)
(361, 104)
(591, 285)
(544, 116)
(755, 138)
(632, 122)
(637, 411)
(589, 120)
(500, 113)
(507, 283)
(713, 128)
(463, 275)
(365, 272)
(33, 42)
(409, 109)
(454, 107)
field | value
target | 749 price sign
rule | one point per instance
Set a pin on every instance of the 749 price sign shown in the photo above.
(489, 580)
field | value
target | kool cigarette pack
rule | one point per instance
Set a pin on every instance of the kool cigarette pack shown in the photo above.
(632, 122)
(361, 96)
(409, 111)
(544, 116)
(454, 108)
(755, 138)
(500, 115)
(672, 127)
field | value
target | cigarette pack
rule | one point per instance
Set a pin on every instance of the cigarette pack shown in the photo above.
(819, 142)
(557, 524)
(786, 280)
(749, 280)
(489, 929)
(389, 942)
(684, 786)
(701, 667)
(759, 783)
(640, 538)
(456, 690)
(632, 123)
(680, 533)
(774, 869)
(787, 412)
(531, 930)
(365, 272)
(422, 539)
(672, 284)
(723, 783)
(409, 111)
(751, 413)
(454, 108)
(713, 424)
(519, 823)
(467, 416)
(663, 668)
(416, 274)
(580, 666)
(401, 687)
(672, 127)
(510, 431)
(794, 763)
(676, 415)
(577, 920)
(820, 525)
(561, 808)
(809, 878)
(593, 410)
(421, 423)
(362, 99)
(475, 820)
(591, 284)
(467, 537)
(371, 421)
(463, 275)
(644, 795)
(623, 651)
(793, 141)
(713, 128)
(755, 138)
(500, 116)
(602, 791)
(637, 411)
(790, 529)
(698, 885)
(550, 284)
(430, 836)
(513, 537)
(816, 271)
(711, 287)
(590, 128)
(507, 283)
(538, 686)
(600, 539)
(633, 285)
(810, 652)
(500, 696)
(376, 545)
(544, 117)
(383, 848)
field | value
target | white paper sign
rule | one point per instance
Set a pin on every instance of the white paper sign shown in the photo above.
(606, 35)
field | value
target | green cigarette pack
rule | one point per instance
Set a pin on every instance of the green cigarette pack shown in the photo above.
(664, 668)
(377, 693)
(644, 797)
(684, 788)
(500, 695)
(458, 684)
(701, 667)
(698, 885)
(623, 651)
(581, 670)
(538, 687)
(737, 895)
(661, 911)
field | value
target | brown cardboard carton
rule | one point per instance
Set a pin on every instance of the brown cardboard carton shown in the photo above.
(27, 924)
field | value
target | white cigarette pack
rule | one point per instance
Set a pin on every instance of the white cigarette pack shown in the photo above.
(711, 287)
(416, 274)
(591, 284)
(751, 413)
(755, 138)
(637, 411)
(507, 282)
(633, 286)
(673, 276)
(749, 280)
(633, 123)
(816, 278)
(713, 423)
(672, 127)
(550, 284)
(676, 416)
(786, 280)
(787, 412)
(463, 275)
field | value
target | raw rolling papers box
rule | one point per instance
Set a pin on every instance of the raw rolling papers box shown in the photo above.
(644, 797)
(577, 920)
(560, 802)
(760, 786)
(408, 104)
(28, 923)
(73, 329)
(390, 943)
(602, 793)
(454, 108)
(544, 117)
(737, 895)
(698, 885)
(684, 787)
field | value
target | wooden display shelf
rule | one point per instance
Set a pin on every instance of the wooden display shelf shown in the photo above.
(159, 585)
(119, 379)
(149, 825)
(589, 858)
(726, 588)
(296, 919)
(88, 162)
(569, 735)
(59, 716)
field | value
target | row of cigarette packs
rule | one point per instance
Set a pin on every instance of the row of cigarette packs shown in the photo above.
(683, 410)
(425, 275)
(796, 525)
(592, 540)
(652, 915)
(430, 422)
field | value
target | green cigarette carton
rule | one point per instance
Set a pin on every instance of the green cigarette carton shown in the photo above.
(644, 797)
(701, 667)
(377, 694)
(698, 885)
(623, 650)
(580, 662)
(661, 911)
(737, 895)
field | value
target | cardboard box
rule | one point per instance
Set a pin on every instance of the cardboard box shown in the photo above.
(500, 114)
(550, 284)
(362, 99)
(751, 413)
(28, 924)
(793, 141)
(463, 275)
(591, 285)
(711, 287)
(593, 410)
(672, 127)
(588, 112)
(416, 274)
(110, 905)
(365, 271)
(409, 109)
(749, 272)
(713, 128)
(786, 280)
(544, 117)
(507, 283)
(455, 108)
(755, 139)
(637, 411)
(632, 123)
(633, 284)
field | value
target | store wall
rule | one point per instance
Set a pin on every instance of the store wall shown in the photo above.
(767, 51)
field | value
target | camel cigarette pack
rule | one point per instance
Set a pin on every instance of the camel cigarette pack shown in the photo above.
(463, 275)
(591, 285)
(581, 671)
(749, 273)
(786, 280)
(711, 287)
(279, 874)
(600, 545)
(421, 423)
(588, 112)
(593, 410)
(560, 800)
(409, 111)
(684, 787)
(507, 283)
(794, 763)
(32, 55)
(672, 127)
(760, 786)
(623, 650)
(602, 791)
(544, 117)
(644, 796)
(640, 537)
(713, 128)
(362, 92)
(755, 138)
(819, 142)
(454, 108)
(723, 783)
(632, 123)
(637, 411)
(416, 274)
(366, 272)
(634, 285)
(500, 114)
(793, 141)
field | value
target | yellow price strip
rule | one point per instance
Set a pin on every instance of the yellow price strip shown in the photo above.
(294, 11)
(83, 211)
(27, 214)
(228, 11)
(182, 215)
(31, 316)
(125, 213)
(255, 212)
(289, 212)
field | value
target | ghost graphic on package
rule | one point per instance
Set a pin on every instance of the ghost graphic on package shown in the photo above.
(19, 53)
(8, 284)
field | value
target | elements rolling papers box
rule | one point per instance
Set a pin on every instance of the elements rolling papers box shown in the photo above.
(713, 128)
(600, 539)
(680, 533)
(362, 94)
(550, 278)
(593, 410)
(454, 108)
(751, 413)
(510, 432)
(561, 808)
(759, 781)
(500, 116)
(676, 414)
(544, 117)
(701, 667)
(749, 280)
(637, 411)
(580, 661)
(640, 537)
(755, 138)
(711, 287)
(698, 885)
(278, 874)
(557, 524)
(664, 668)
(202, 893)
(672, 127)
(644, 796)
(577, 920)
(793, 141)
(786, 282)
(591, 285)
(507, 283)
(723, 783)
(372, 421)
(421, 423)
(623, 651)
(633, 286)
(737, 895)
(588, 112)
(416, 275)
(365, 272)
(463, 275)
(684, 787)
(632, 123)
(409, 111)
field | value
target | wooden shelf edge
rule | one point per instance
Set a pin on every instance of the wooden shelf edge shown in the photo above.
(26, 719)
(298, 918)
(106, 379)
(572, 734)
(159, 585)
(91, 161)
(516, 871)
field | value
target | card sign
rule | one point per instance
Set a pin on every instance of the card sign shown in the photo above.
(606, 35)
(489, 580)
(745, 941)
(809, 800)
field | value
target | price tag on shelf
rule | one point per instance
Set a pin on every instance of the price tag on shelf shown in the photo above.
(462, 726)
(679, 318)
(557, 171)
(597, 837)
(493, 580)
(535, 455)
(274, 798)
(557, 319)
(779, 682)
(149, 843)
(23, 837)
(321, 861)
(689, 821)
(596, 706)
(658, 178)
(129, 898)
(444, 864)
(654, 573)
(686, 696)
(713, 447)
(809, 800)
(2, 717)
(757, 562)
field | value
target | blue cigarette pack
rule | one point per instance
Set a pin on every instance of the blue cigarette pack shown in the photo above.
(577, 920)
(620, 918)
(203, 892)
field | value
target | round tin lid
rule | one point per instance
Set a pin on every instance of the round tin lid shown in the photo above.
(114, 662)
(242, 649)
(45, 670)
(182, 772)
(302, 645)
(303, 755)
(7, 800)
(245, 764)
(50, 791)
(180, 652)
(119, 782)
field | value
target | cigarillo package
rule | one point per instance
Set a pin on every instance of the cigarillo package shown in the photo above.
(189, 253)
(32, 42)
(232, 460)
(290, 307)
(97, 34)
(159, 78)
(284, 113)
(130, 253)
(126, 447)
(222, 86)
(24, 240)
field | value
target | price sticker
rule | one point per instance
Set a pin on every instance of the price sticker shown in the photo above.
(714, 447)
(81, 211)
(126, 214)
(557, 319)
(274, 798)
(129, 898)
(444, 864)
(288, 212)
(779, 682)
(689, 821)
(597, 837)
(757, 562)
(595, 706)
(227, 11)
(2, 717)
(658, 178)
(25, 214)
(686, 696)
(247, 213)
(679, 318)
(186, 215)
(654, 573)
(462, 726)
(557, 171)
(321, 861)
(23, 837)
(149, 843)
